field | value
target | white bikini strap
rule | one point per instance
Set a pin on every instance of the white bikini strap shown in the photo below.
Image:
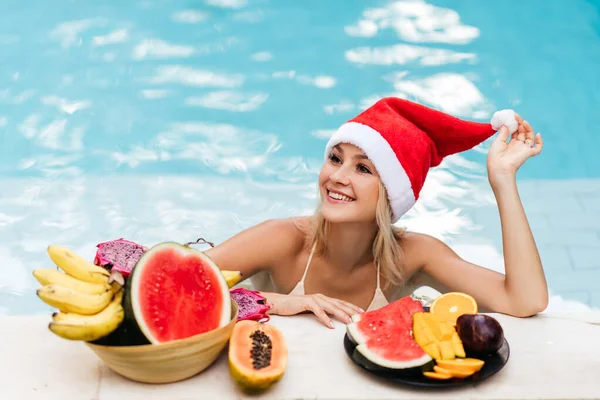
(378, 276)
(308, 262)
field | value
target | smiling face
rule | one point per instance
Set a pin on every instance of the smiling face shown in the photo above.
(349, 186)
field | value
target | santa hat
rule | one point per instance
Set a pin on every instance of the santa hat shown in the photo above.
(404, 139)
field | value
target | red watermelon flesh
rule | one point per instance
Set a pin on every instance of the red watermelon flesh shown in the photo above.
(177, 292)
(385, 338)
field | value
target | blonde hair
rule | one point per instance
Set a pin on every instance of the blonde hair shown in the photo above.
(386, 248)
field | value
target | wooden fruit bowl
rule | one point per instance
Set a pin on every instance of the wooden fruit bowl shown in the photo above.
(167, 362)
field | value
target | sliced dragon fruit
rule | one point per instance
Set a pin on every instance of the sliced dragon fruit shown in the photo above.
(120, 255)
(252, 305)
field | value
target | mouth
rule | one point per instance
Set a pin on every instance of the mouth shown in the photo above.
(337, 197)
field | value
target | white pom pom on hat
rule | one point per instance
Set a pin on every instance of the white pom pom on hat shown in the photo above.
(505, 117)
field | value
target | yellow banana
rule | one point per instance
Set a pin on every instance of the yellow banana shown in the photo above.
(89, 327)
(232, 277)
(48, 276)
(77, 266)
(71, 316)
(68, 300)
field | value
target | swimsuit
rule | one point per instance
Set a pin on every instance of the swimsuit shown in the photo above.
(378, 301)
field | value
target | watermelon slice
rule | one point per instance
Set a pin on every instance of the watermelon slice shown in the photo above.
(385, 341)
(175, 292)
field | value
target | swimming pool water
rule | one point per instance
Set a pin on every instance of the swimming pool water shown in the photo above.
(159, 120)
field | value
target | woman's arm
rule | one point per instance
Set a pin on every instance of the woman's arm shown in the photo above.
(523, 290)
(254, 249)
(268, 246)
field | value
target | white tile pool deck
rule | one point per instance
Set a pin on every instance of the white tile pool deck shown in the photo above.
(549, 359)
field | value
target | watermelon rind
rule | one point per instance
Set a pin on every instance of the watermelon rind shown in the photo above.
(365, 357)
(355, 317)
(357, 338)
(133, 289)
(353, 333)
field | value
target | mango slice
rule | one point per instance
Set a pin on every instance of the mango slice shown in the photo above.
(437, 375)
(453, 373)
(437, 337)
(461, 364)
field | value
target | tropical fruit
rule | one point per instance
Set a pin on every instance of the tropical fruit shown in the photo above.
(481, 334)
(436, 336)
(251, 304)
(77, 266)
(257, 355)
(470, 365)
(175, 292)
(87, 297)
(48, 276)
(384, 339)
(69, 300)
(120, 255)
(452, 305)
(89, 328)
(232, 277)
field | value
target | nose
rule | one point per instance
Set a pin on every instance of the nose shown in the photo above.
(340, 176)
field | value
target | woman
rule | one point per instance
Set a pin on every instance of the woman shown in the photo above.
(349, 256)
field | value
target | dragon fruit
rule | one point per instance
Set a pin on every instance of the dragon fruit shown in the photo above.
(252, 305)
(120, 255)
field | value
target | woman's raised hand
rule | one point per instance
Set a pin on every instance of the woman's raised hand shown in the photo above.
(322, 306)
(504, 159)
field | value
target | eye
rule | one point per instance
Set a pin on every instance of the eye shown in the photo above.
(334, 159)
(364, 169)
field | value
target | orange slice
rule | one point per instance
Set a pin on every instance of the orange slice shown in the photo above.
(461, 364)
(450, 306)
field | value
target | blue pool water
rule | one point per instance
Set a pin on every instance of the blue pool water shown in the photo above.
(165, 120)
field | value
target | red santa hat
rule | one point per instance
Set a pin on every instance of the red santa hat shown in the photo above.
(404, 140)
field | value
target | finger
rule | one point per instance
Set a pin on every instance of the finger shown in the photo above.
(313, 306)
(519, 119)
(347, 307)
(353, 309)
(529, 134)
(521, 133)
(539, 143)
(333, 309)
(502, 134)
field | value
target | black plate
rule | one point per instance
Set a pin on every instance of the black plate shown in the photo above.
(493, 363)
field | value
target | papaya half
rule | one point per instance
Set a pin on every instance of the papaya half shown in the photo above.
(257, 355)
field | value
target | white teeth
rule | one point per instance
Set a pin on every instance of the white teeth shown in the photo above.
(339, 196)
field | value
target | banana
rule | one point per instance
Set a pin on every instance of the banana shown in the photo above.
(232, 277)
(48, 276)
(77, 266)
(68, 300)
(89, 327)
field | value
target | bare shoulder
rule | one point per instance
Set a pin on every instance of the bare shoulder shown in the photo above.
(418, 248)
(292, 231)
(260, 247)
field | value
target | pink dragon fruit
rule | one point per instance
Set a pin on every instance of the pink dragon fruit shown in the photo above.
(252, 305)
(120, 255)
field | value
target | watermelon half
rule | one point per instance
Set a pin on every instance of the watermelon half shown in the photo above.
(385, 341)
(175, 292)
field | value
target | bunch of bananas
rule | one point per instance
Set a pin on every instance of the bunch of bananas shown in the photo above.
(88, 297)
